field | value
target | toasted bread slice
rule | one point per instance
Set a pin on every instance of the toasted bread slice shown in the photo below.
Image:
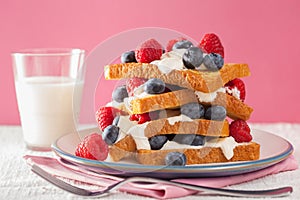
(204, 81)
(236, 109)
(175, 125)
(167, 100)
(124, 148)
(245, 152)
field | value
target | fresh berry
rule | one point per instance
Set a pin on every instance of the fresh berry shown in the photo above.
(105, 116)
(183, 44)
(134, 117)
(215, 113)
(110, 134)
(199, 140)
(119, 94)
(240, 131)
(175, 159)
(92, 147)
(192, 58)
(172, 42)
(239, 85)
(133, 83)
(154, 86)
(189, 139)
(213, 61)
(148, 51)
(145, 117)
(128, 57)
(210, 43)
(157, 142)
(192, 110)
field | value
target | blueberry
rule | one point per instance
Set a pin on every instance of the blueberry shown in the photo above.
(199, 140)
(154, 86)
(193, 110)
(183, 44)
(215, 113)
(119, 94)
(184, 138)
(192, 58)
(128, 57)
(213, 61)
(110, 134)
(170, 136)
(157, 142)
(189, 139)
(175, 159)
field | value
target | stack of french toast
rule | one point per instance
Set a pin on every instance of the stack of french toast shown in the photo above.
(180, 105)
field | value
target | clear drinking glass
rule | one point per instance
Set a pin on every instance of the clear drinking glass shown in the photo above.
(49, 84)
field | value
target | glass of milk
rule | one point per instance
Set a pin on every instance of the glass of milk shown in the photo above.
(49, 84)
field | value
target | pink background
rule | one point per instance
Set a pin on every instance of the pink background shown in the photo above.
(264, 34)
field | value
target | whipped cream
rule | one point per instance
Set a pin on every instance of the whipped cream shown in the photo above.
(137, 132)
(227, 145)
(124, 124)
(115, 104)
(209, 97)
(170, 61)
(234, 92)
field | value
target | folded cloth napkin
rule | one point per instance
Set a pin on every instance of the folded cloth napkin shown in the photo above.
(157, 190)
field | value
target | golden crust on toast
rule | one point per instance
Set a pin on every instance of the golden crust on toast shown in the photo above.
(203, 155)
(122, 149)
(236, 109)
(167, 100)
(197, 126)
(204, 81)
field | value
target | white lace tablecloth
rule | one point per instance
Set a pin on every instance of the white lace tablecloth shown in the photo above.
(18, 182)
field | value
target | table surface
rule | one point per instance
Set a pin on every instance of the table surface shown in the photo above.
(18, 182)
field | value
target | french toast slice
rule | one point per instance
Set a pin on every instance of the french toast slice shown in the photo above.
(236, 109)
(175, 125)
(244, 152)
(124, 148)
(204, 81)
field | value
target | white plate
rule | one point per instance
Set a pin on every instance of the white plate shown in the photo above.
(273, 150)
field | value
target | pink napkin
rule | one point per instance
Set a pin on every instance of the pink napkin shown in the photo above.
(156, 190)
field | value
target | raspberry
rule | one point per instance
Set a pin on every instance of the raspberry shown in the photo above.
(239, 85)
(133, 83)
(145, 117)
(105, 116)
(240, 131)
(211, 43)
(92, 147)
(172, 42)
(148, 51)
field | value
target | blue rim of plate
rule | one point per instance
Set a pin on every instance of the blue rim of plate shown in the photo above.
(232, 168)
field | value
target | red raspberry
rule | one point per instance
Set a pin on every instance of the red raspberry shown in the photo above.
(240, 131)
(240, 85)
(133, 83)
(172, 42)
(148, 51)
(145, 117)
(211, 43)
(92, 147)
(105, 116)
